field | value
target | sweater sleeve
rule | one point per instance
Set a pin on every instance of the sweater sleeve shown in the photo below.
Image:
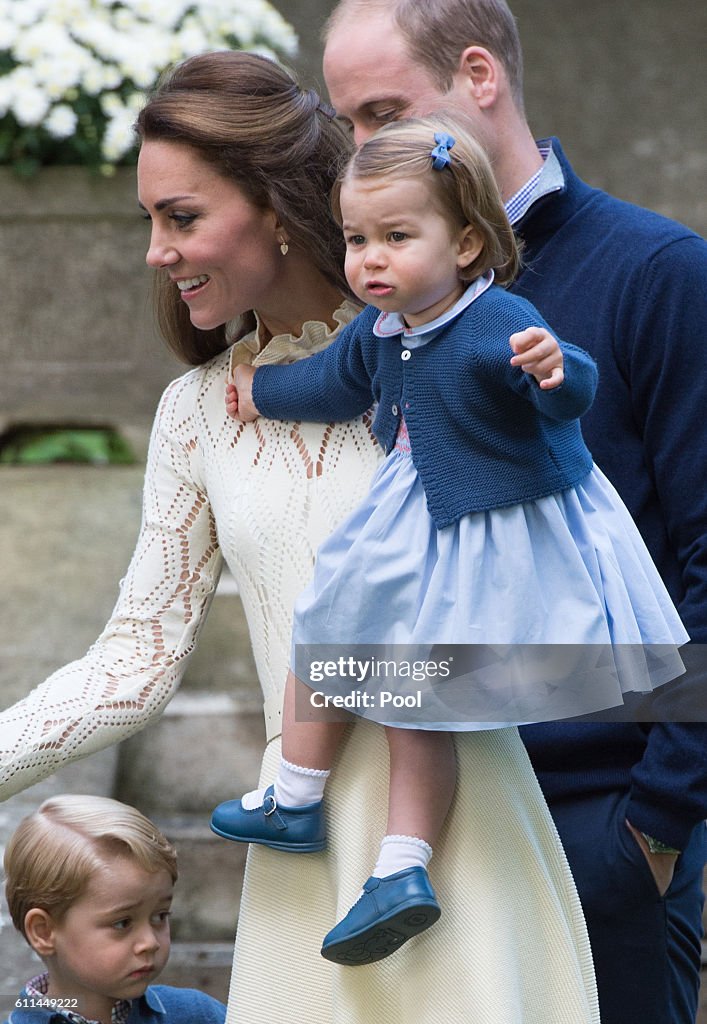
(667, 363)
(188, 1005)
(330, 386)
(135, 666)
(668, 793)
(666, 322)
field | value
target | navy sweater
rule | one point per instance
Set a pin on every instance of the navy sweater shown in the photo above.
(631, 288)
(483, 433)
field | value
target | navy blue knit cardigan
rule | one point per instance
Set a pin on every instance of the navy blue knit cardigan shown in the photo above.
(483, 433)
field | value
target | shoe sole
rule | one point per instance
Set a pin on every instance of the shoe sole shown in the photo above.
(315, 847)
(382, 938)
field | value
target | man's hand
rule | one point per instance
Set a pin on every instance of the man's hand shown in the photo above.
(239, 395)
(662, 865)
(538, 353)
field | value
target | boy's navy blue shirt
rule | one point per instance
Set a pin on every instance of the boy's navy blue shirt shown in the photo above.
(630, 287)
(161, 1004)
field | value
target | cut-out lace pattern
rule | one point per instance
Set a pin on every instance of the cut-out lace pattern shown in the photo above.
(262, 495)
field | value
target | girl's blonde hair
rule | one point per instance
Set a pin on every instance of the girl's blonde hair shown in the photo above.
(279, 144)
(465, 190)
(53, 853)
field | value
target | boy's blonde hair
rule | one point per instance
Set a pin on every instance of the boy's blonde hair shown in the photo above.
(53, 853)
(465, 190)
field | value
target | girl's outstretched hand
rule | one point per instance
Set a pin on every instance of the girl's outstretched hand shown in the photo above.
(538, 353)
(239, 395)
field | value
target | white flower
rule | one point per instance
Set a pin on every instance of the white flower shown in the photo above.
(61, 122)
(190, 40)
(119, 136)
(8, 33)
(94, 58)
(27, 12)
(38, 41)
(30, 106)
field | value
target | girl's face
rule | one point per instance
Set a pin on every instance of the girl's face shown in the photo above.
(220, 250)
(402, 254)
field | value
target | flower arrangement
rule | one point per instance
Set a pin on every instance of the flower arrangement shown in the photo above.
(73, 73)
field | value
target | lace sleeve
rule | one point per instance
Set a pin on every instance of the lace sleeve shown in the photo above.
(135, 666)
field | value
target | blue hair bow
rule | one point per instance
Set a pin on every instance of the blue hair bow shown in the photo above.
(440, 154)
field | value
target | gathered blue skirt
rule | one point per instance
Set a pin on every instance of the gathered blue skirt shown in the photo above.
(567, 569)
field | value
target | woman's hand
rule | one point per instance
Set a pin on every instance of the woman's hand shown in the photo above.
(239, 395)
(538, 353)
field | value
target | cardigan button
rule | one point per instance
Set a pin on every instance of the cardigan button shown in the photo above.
(405, 354)
(394, 410)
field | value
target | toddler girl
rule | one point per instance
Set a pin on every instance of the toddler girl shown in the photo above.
(486, 524)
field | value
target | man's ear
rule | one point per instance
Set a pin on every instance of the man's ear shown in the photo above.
(39, 929)
(482, 72)
(469, 246)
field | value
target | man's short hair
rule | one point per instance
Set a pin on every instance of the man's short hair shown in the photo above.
(437, 32)
(53, 853)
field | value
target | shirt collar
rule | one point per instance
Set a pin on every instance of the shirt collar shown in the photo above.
(389, 325)
(548, 178)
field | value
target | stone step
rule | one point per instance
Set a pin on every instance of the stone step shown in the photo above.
(207, 894)
(205, 748)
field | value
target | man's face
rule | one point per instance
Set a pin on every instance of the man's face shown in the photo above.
(372, 79)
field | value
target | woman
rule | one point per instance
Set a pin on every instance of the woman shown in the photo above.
(235, 169)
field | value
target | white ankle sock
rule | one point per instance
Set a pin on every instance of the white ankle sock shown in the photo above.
(400, 852)
(294, 787)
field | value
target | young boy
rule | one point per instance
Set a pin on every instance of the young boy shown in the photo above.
(89, 884)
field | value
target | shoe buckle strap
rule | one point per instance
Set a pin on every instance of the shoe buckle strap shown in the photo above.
(270, 808)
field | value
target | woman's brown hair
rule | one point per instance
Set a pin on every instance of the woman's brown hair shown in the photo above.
(250, 120)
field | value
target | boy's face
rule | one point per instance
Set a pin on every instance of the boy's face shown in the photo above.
(114, 940)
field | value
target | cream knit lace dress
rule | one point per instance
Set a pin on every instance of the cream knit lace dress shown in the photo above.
(511, 946)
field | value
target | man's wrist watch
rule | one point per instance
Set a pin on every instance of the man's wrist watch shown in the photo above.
(656, 846)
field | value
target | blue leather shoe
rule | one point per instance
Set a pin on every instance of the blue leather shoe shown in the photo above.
(297, 829)
(390, 911)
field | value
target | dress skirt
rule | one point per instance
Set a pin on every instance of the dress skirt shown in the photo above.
(560, 594)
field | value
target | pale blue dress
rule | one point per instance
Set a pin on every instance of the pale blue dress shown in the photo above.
(559, 595)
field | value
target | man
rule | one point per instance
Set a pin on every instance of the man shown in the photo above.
(629, 798)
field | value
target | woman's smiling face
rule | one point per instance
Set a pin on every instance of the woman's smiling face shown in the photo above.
(218, 248)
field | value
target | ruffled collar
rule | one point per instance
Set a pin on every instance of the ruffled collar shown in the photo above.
(283, 348)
